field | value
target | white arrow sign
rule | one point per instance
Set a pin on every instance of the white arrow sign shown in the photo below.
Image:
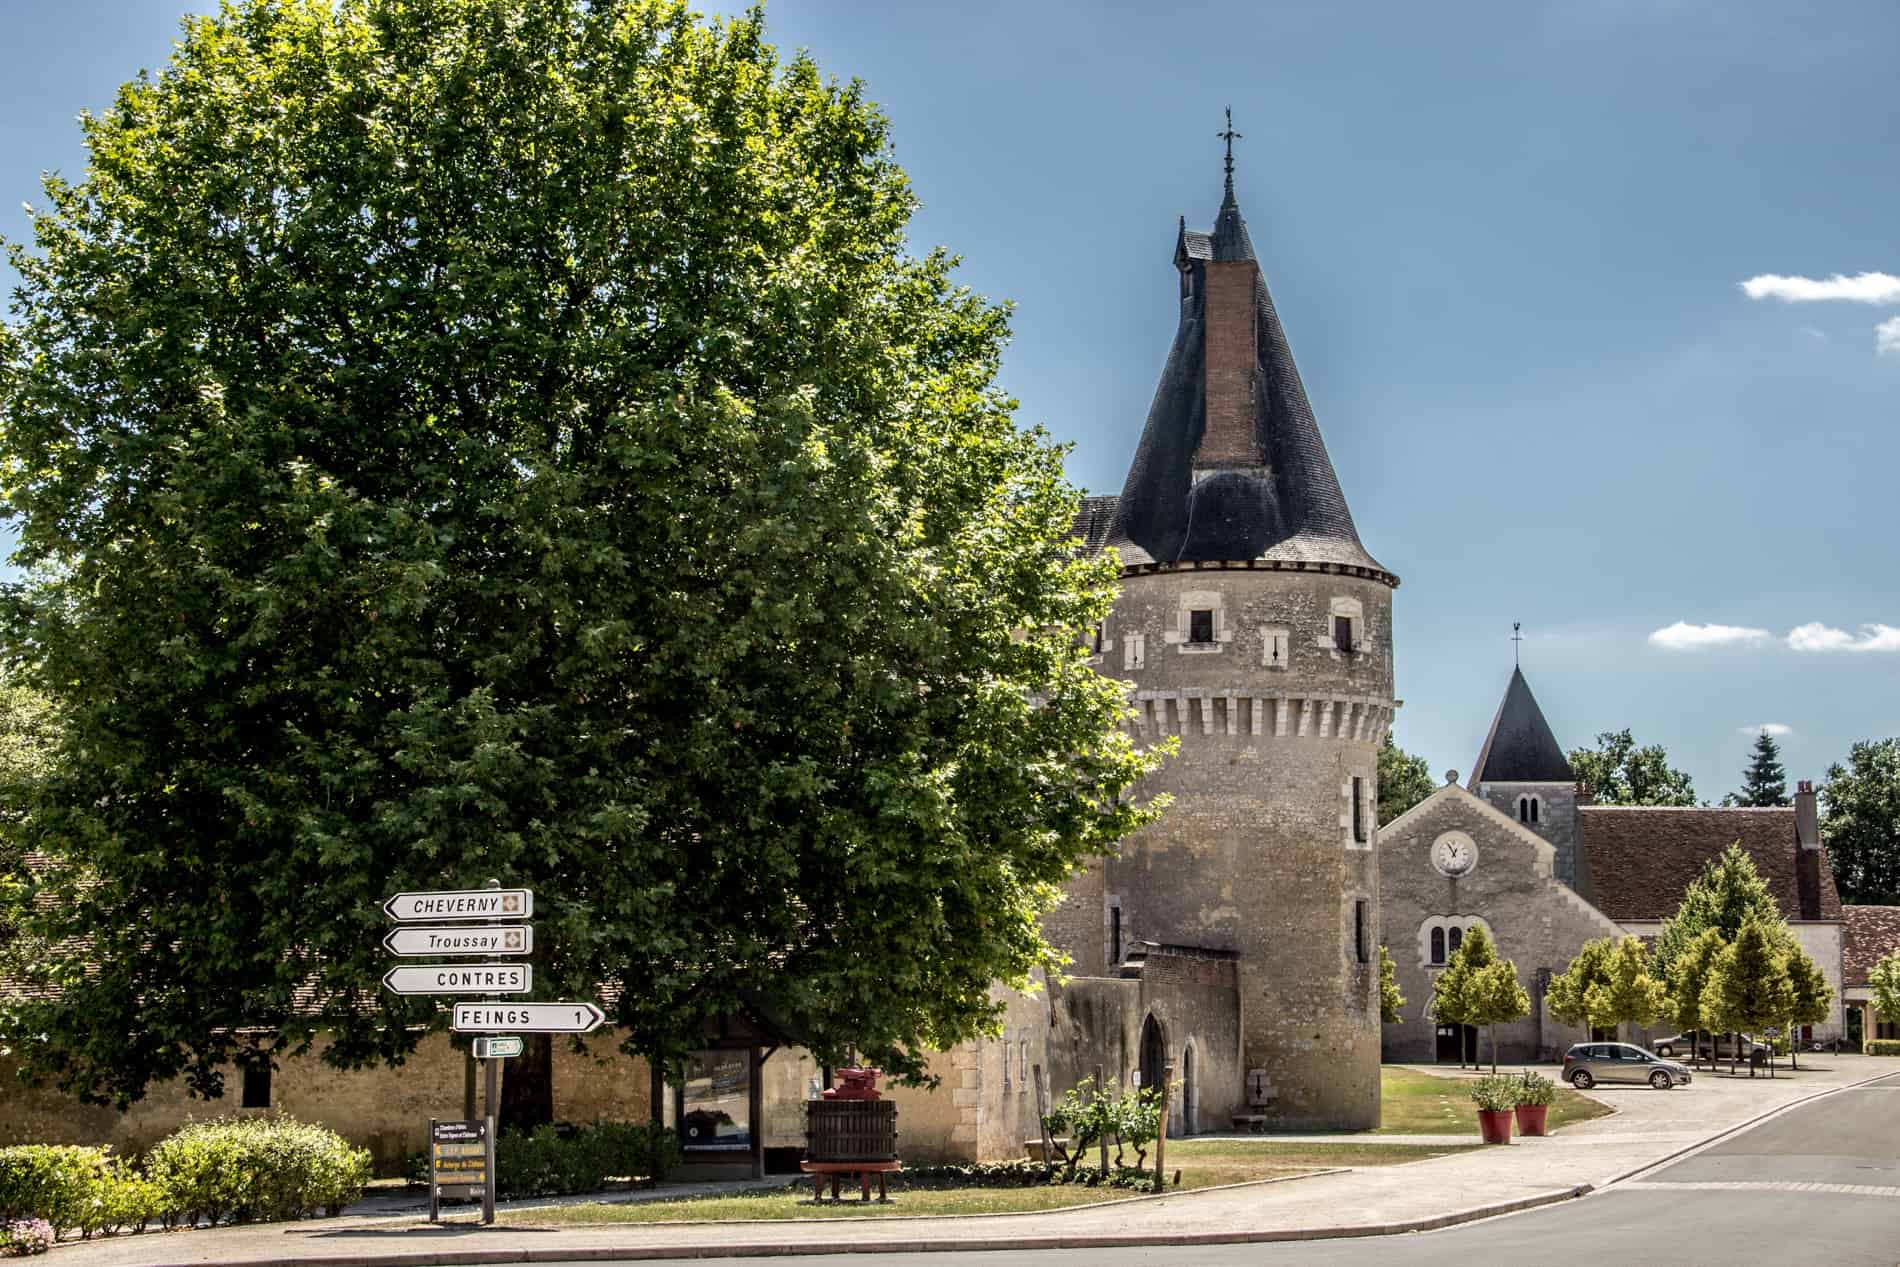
(460, 978)
(489, 939)
(533, 1018)
(461, 904)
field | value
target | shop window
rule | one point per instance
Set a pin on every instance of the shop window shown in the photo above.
(715, 1111)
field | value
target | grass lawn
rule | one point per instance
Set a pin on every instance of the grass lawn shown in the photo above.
(1422, 1104)
(1202, 1163)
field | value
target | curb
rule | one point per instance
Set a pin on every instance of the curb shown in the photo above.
(780, 1249)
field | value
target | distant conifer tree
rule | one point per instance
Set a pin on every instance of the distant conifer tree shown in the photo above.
(1765, 782)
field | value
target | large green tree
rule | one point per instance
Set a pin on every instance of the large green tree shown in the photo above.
(1404, 780)
(1765, 781)
(1748, 988)
(1729, 892)
(1884, 980)
(510, 438)
(1617, 772)
(1860, 819)
(1688, 978)
(1811, 997)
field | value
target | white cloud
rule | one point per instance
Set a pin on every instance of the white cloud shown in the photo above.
(1887, 337)
(1862, 288)
(1683, 636)
(1815, 636)
(1772, 728)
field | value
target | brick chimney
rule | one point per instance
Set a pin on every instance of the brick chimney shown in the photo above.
(1232, 315)
(1807, 823)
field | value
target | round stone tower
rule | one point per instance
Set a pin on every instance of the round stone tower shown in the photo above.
(1255, 627)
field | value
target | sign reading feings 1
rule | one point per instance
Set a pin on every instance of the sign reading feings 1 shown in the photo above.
(460, 978)
(479, 939)
(531, 1018)
(461, 904)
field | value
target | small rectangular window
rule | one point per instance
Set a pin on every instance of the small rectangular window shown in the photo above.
(1098, 640)
(256, 1087)
(1201, 625)
(1362, 930)
(1007, 1053)
(1114, 936)
(1342, 633)
(1358, 809)
(1134, 650)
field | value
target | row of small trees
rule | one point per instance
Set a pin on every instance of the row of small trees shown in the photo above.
(1478, 987)
(1725, 961)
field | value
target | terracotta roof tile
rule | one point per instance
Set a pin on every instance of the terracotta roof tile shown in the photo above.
(1642, 859)
(1873, 933)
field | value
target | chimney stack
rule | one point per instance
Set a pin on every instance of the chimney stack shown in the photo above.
(1232, 314)
(1807, 823)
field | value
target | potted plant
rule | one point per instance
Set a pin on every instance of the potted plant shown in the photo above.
(1534, 1092)
(1495, 1097)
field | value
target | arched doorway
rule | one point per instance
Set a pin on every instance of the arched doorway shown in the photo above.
(1190, 1092)
(1154, 1052)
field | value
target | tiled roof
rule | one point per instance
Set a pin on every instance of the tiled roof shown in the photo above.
(1093, 519)
(1292, 509)
(1520, 747)
(1642, 859)
(1873, 933)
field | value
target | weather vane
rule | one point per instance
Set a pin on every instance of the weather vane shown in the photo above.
(1230, 136)
(1517, 638)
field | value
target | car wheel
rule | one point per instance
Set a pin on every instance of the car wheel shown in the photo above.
(1582, 1080)
(1661, 1080)
(1665, 1050)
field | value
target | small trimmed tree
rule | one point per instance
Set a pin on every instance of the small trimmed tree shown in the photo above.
(1688, 978)
(1451, 999)
(1813, 997)
(1391, 1002)
(1494, 996)
(1748, 988)
(1628, 992)
(1569, 997)
(1885, 982)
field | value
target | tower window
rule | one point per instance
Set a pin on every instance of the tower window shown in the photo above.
(1362, 930)
(1201, 625)
(1114, 935)
(1342, 633)
(1358, 809)
(1097, 647)
(1134, 650)
(256, 1087)
(1528, 808)
(1452, 939)
(1438, 945)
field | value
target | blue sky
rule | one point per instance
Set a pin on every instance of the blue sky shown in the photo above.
(1509, 243)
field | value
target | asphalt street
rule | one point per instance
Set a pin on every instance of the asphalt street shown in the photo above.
(1819, 1184)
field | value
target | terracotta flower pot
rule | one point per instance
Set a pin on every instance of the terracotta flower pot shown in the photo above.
(1530, 1118)
(1494, 1125)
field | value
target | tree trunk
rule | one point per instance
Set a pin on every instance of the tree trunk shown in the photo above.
(1494, 1047)
(527, 1086)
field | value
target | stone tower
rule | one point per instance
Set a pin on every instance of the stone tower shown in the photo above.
(1523, 773)
(1254, 626)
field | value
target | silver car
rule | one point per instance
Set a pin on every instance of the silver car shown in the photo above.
(1587, 1064)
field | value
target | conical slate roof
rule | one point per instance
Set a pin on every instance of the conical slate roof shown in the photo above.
(1520, 747)
(1289, 508)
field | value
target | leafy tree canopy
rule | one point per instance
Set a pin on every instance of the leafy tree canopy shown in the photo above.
(1884, 981)
(508, 438)
(1569, 996)
(1860, 820)
(1748, 987)
(1765, 781)
(1404, 780)
(1689, 978)
(1391, 1000)
(1617, 772)
(1728, 893)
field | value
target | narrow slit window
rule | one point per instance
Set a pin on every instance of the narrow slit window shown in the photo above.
(1438, 945)
(1452, 938)
(1361, 930)
(1114, 936)
(1201, 625)
(1342, 633)
(1358, 809)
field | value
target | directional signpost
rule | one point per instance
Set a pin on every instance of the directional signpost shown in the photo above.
(528, 1018)
(496, 903)
(460, 978)
(493, 939)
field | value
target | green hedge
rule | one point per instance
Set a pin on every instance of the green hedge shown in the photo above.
(1015, 1174)
(563, 1161)
(261, 1169)
(75, 1189)
(1881, 1047)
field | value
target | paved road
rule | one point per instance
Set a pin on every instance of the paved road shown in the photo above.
(1819, 1184)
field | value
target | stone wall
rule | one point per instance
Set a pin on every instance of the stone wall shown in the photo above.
(1556, 820)
(384, 1110)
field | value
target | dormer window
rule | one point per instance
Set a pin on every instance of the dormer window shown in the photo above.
(1201, 625)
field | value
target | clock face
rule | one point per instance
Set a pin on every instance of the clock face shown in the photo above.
(1455, 853)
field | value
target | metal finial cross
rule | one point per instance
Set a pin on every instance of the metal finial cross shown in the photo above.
(1517, 638)
(1230, 136)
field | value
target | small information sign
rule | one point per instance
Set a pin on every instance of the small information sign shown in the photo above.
(458, 1161)
(499, 1048)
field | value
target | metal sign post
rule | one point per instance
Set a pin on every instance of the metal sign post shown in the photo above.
(492, 1068)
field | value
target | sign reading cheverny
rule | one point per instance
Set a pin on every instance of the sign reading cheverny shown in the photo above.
(530, 1018)
(461, 904)
(460, 978)
(497, 939)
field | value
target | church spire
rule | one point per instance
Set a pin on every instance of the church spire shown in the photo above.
(1230, 136)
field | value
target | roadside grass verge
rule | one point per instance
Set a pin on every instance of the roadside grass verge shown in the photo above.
(1202, 1163)
(1415, 1103)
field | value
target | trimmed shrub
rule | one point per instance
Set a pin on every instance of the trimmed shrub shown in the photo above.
(60, 1183)
(1014, 1174)
(1881, 1047)
(256, 1169)
(1494, 1092)
(1533, 1089)
(558, 1161)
